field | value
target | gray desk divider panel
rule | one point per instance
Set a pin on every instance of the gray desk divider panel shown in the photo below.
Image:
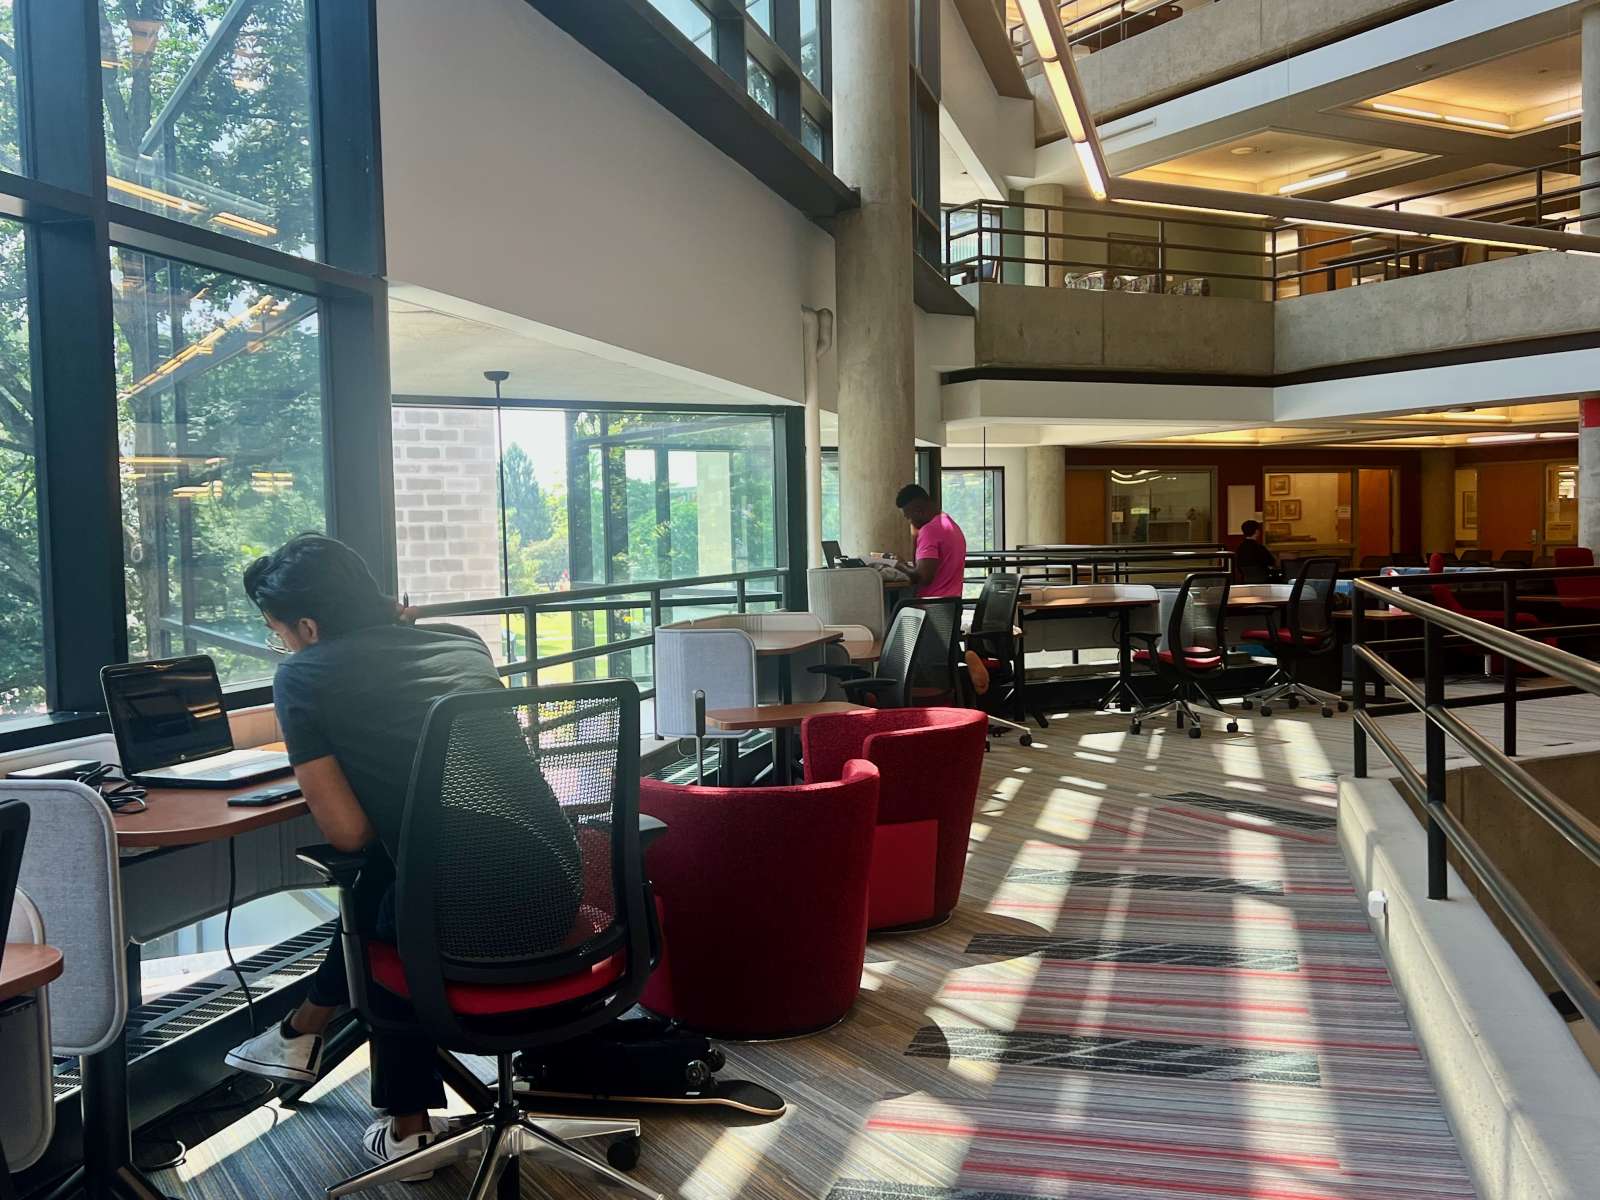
(69, 870)
(27, 1103)
(164, 890)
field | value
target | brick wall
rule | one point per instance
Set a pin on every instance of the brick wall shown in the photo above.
(447, 512)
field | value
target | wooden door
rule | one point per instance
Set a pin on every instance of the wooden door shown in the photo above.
(1510, 505)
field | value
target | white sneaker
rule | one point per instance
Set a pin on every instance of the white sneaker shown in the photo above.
(275, 1056)
(382, 1146)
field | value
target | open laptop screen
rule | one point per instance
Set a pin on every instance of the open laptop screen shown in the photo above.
(167, 712)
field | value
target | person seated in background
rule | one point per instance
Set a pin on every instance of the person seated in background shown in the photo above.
(352, 698)
(941, 554)
(1253, 561)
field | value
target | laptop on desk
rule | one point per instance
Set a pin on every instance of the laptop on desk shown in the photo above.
(172, 730)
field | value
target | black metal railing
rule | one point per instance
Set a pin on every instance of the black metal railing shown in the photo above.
(1046, 565)
(1118, 249)
(1444, 630)
(654, 597)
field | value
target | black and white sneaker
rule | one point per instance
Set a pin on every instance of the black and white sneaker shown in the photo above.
(276, 1055)
(382, 1146)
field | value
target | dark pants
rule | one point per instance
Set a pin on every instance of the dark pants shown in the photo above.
(405, 1069)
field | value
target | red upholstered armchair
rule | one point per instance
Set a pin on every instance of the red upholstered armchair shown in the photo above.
(1445, 597)
(930, 759)
(762, 894)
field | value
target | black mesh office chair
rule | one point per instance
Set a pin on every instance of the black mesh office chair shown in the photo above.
(1192, 655)
(1516, 559)
(1304, 630)
(521, 910)
(1477, 557)
(935, 665)
(894, 684)
(992, 638)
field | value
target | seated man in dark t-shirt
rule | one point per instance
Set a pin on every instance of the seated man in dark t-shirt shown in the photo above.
(351, 700)
(1254, 562)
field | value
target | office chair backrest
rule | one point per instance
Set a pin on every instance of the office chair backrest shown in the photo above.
(996, 615)
(519, 852)
(939, 647)
(1370, 561)
(899, 654)
(1477, 556)
(1517, 558)
(1311, 599)
(13, 836)
(71, 873)
(1194, 628)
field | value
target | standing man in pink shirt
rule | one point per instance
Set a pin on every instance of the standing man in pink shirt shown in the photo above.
(941, 546)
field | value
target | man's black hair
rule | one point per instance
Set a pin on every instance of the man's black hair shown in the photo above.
(1249, 528)
(318, 577)
(910, 493)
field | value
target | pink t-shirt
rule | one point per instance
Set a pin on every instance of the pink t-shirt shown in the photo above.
(941, 538)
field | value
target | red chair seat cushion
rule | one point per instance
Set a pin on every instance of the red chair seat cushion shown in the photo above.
(900, 885)
(1196, 658)
(1284, 635)
(488, 1000)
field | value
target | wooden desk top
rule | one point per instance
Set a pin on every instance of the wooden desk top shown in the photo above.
(863, 651)
(1375, 614)
(26, 968)
(774, 716)
(192, 816)
(770, 643)
(1067, 603)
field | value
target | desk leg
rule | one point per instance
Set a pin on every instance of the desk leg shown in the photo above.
(1122, 691)
(783, 739)
(109, 1173)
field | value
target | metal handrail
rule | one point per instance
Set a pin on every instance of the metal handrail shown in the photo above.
(1428, 786)
(651, 594)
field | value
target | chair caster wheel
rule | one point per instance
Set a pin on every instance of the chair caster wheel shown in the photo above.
(1025, 740)
(1294, 701)
(1326, 711)
(1194, 731)
(1343, 707)
(1136, 728)
(1266, 711)
(623, 1154)
(1246, 704)
(1233, 727)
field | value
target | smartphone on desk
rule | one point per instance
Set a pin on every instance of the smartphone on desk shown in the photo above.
(265, 797)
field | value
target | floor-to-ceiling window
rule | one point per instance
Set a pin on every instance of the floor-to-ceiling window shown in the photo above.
(191, 302)
(541, 499)
(976, 498)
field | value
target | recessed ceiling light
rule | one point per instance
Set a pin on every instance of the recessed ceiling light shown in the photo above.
(1241, 150)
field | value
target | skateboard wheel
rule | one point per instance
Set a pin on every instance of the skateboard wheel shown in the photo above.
(623, 1154)
(716, 1059)
(696, 1074)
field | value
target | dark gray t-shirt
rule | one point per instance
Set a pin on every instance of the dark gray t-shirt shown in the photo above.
(363, 698)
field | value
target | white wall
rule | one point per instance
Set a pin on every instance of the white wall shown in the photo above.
(995, 130)
(1015, 461)
(944, 343)
(523, 173)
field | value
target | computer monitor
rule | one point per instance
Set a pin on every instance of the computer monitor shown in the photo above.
(831, 554)
(166, 712)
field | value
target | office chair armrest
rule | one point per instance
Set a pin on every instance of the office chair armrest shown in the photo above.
(336, 866)
(840, 671)
(869, 684)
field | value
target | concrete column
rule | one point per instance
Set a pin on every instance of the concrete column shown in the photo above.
(1589, 141)
(1438, 501)
(1589, 471)
(1047, 495)
(876, 330)
(1036, 275)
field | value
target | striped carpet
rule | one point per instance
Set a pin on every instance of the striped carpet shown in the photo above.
(1160, 986)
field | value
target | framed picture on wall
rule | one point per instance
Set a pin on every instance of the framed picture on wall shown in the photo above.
(1469, 510)
(1277, 485)
(1269, 511)
(1279, 529)
(1290, 510)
